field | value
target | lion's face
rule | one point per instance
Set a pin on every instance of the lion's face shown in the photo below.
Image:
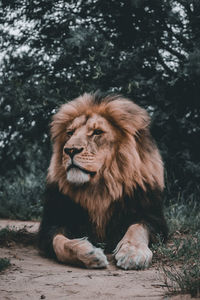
(102, 147)
(90, 143)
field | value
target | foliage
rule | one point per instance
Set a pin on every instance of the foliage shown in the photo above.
(180, 249)
(184, 281)
(20, 236)
(52, 51)
(21, 196)
(4, 263)
(21, 190)
(180, 265)
(179, 258)
(183, 216)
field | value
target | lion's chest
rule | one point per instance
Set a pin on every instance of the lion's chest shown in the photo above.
(99, 212)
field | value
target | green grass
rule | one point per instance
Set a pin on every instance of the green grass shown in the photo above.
(22, 236)
(179, 249)
(4, 263)
(183, 217)
(185, 280)
(21, 198)
(179, 259)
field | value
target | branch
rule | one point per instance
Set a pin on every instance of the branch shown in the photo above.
(174, 52)
(163, 64)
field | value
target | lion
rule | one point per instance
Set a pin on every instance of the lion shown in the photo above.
(104, 185)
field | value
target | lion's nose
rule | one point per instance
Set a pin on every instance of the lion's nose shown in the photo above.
(72, 151)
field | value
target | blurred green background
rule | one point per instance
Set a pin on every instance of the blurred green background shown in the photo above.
(52, 51)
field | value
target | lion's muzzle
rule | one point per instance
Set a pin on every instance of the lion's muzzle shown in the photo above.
(75, 166)
(73, 151)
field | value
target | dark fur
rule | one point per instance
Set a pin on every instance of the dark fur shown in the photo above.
(62, 215)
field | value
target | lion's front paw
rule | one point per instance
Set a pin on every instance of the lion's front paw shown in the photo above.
(95, 258)
(129, 256)
(89, 255)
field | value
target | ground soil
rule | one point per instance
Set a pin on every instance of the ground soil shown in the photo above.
(33, 277)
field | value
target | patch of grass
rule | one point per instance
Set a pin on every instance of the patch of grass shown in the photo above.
(184, 280)
(179, 249)
(179, 264)
(21, 198)
(22, 236)
(183, 217)
(179, 259)
(4, 263)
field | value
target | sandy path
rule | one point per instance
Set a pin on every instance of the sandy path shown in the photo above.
(34, 277)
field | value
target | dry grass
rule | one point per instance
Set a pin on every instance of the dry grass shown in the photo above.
(180, 259)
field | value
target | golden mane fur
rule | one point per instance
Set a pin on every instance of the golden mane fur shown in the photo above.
(136, 162)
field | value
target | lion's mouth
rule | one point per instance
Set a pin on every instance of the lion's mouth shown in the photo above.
(73, 166)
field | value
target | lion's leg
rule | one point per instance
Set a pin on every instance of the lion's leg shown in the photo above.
(132, 252)
(78, 251)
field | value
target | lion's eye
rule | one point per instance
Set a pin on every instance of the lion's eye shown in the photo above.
(97, 132)
(70, 132)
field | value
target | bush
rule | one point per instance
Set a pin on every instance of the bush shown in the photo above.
(179, 259)
(4, 263)
(21, 196)
(184, 280)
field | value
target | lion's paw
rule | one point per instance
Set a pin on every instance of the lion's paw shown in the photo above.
(95, 259)
(133, 257)
(89, 255)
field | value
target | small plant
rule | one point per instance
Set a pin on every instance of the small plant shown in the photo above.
(4, 263)
(183, 280)
(179, 259)
(179, 263)
(21, 198)
(179, 249)
(183, 216)
(21, 236)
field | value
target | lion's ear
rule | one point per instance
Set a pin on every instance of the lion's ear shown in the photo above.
(56, 129)
(68, 112)
(129, 115)
(139, 117)
(61, 119)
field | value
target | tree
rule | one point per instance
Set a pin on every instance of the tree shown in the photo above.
(53, 51)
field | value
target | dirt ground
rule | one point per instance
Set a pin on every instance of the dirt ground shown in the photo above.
(31, 276)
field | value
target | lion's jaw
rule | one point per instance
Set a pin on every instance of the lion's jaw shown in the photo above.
(77, 177)
(92, 141)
